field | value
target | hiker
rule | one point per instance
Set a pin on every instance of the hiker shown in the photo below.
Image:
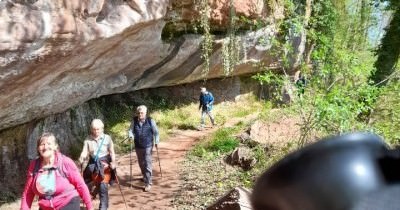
(55, 179)
(300, 83)
(99, 157)
(143, 130)
(206, 104)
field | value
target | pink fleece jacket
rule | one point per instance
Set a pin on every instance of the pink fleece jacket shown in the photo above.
(66, 187)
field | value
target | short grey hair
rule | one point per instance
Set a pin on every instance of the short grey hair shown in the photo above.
(141, 108)
(97, 123)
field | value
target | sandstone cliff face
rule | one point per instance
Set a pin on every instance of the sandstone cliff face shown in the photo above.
(55, 55)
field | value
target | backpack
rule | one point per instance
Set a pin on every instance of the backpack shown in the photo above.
(59, 165)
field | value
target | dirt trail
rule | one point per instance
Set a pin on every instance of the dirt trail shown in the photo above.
(171, 152)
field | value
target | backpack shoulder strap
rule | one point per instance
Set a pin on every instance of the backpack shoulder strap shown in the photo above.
(37, 166)
(149, 121)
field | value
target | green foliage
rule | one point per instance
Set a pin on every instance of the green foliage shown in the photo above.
(230, 46)
(322, 20)
(338, 98)
(177, 117)
(386, 115)
(337, 111)
(388, 51)
(207, 43)
(273, 81)
(253, 25)
(117, 119)
(221, 142)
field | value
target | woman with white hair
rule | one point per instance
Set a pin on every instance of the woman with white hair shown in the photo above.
(100, 170)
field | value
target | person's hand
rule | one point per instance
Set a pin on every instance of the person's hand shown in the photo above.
(113, 165)
(81, 160)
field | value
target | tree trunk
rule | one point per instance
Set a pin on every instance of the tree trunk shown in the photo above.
(388, 51)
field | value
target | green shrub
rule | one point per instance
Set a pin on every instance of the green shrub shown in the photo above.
(386, 116)
(223, 141)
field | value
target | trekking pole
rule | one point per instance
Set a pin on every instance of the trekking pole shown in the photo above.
(124, 140)
(130, 167)
(159, 162)
(119, 186)
(81, 201)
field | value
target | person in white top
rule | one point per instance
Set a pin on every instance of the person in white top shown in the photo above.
(99, 157)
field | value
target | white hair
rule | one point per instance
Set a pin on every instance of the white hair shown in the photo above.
(97, 123)
(141, 108)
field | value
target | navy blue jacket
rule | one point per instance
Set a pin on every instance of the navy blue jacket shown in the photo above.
(143, 134)
(206, 101)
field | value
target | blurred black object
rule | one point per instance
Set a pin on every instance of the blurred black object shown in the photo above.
(351, 172)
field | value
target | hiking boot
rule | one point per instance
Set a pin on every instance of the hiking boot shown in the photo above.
(147, 188)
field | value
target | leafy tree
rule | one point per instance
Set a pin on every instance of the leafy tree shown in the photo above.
(389, 49)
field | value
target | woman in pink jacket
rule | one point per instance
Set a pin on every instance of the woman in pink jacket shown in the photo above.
(55, 179)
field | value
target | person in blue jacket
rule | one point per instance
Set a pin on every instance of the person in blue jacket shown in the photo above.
(144, 132)
(206, 104)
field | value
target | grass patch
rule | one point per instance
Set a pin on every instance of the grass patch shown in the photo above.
(176, 118)
(221, 142)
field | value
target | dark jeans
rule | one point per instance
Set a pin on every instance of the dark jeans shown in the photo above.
(145, 163)
(103, 194)
(73, 204)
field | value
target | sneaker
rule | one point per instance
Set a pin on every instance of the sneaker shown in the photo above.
(147, 188)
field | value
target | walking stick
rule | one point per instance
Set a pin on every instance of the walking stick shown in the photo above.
(130, 162)
(119, 186)
(124, 140)
(159, 162)
(130, 166)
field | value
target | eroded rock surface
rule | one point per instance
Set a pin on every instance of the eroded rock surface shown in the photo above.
(55, 54)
